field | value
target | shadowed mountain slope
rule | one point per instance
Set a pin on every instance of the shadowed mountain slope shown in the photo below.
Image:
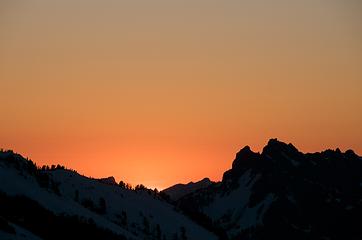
(282, 193)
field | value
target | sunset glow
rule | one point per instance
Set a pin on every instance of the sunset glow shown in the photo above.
(161, 92)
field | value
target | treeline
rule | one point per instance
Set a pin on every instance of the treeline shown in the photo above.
(41, 175)
(140, 187)
(27, 165)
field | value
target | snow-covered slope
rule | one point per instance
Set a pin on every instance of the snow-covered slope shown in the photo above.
(139, 206)
(127, 213)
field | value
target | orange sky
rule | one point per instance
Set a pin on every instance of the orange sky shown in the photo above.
(161, 92)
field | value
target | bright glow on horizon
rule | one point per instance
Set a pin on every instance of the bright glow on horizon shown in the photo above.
(161, 92)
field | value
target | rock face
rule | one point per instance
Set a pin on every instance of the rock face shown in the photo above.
(177, 191)
(282, 193)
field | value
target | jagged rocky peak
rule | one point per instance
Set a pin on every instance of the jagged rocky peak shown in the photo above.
(275, 146)
(245, 154)
(274, 149)
(283, 193)
(244, 160)
(275, 152)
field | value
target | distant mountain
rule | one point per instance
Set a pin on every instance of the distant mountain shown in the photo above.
(282, 193)
(57, 203)
(179, 190)
(108, 180)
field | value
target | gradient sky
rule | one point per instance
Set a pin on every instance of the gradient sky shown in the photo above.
(161, 92)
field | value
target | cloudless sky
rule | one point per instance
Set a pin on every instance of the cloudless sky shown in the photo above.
(166, 91)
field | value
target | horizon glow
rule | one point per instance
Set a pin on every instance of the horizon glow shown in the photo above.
(161, 92)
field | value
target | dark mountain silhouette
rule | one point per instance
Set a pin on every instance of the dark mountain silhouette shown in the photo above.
(179, 190)
(280, 193)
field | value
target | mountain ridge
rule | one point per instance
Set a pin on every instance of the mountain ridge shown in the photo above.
(279, 193)
(179, 190)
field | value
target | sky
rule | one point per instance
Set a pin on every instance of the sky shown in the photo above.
(167, 91)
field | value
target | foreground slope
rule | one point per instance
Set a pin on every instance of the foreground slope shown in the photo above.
(282, 193)
(61, 204)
